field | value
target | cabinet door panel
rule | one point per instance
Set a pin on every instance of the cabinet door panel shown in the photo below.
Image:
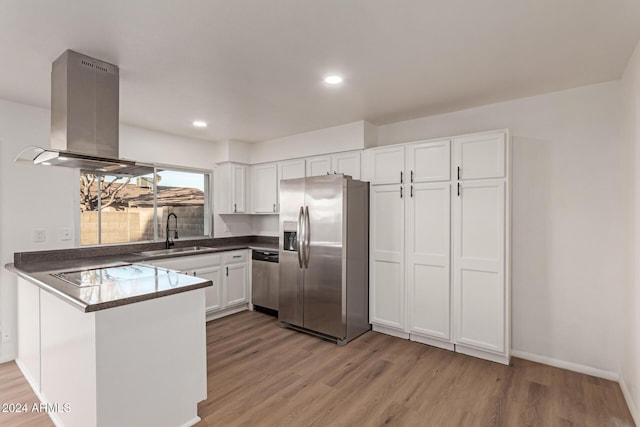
(479, 266)
(481, 156)
(384, 165)
(213, 294)
(429, 161)
(318, 166)
(235, 284)
(265, 188)
(428, 259)
(387, 300)
(238, 188)
(291, 169)
(347, 163)
(28, 330)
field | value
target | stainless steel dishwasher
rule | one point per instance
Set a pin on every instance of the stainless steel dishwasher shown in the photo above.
(265, 279)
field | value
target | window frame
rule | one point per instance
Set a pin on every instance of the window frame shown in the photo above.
(208, 207)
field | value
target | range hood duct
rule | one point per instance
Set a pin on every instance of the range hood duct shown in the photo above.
(85, 119)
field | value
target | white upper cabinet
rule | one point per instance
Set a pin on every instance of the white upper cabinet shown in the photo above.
(239, 188)
(231, 188)
(265, 188)
(429, 161)
(481, 156)
(384, 165)
(347, 163)
(319, 165)
(291, 169)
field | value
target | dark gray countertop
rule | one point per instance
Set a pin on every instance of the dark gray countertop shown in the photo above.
(114, 293)
(37, 267)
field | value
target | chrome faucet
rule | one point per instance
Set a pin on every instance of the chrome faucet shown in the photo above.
(169, 242)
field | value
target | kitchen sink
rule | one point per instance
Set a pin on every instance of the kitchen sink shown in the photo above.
(174, 251)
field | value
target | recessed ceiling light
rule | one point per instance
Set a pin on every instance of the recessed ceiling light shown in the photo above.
(199, 124)
(333, 80)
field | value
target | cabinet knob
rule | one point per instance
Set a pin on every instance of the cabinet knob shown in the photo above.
(234, 208)
(227, 271)
(401, 191)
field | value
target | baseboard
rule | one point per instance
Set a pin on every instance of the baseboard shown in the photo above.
(6, 359)
(390, 331)
(192, 422)
(432, 342)
(481, 354)
(583, 369)
(635, 411)
(226, 312)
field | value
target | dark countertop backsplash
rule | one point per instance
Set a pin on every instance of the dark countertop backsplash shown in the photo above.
(108, 251)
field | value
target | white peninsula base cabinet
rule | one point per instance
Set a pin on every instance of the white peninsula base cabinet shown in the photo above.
(141, 364)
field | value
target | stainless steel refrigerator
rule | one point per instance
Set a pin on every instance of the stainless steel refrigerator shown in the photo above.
(324, 256)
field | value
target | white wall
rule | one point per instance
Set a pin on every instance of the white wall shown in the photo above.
(162, 148)
(40, 197)
(350, 136)
(570, 237)
(233, 151)
(630, 371)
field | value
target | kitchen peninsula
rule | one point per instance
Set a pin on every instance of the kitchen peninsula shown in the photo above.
(113, 344)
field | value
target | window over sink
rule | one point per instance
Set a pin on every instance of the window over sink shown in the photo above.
(117, 209)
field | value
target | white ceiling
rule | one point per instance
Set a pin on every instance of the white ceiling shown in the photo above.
(253, 68)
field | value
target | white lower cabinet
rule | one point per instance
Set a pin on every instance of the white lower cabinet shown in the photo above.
(386, 248)
(229, 272)
(428, 262)
(235, 284)
(212, 294)
(439, 251)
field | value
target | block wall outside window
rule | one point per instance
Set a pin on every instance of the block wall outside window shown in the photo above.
(124, 210)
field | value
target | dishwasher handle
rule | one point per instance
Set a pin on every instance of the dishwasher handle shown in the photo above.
(267, 256)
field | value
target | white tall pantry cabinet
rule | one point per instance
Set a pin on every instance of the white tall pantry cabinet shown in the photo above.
(439, 252)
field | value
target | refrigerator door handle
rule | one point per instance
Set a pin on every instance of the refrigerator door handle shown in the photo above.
(299, 237)
(307, 236)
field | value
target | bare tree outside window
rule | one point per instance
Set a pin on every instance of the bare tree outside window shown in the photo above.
(109, 190)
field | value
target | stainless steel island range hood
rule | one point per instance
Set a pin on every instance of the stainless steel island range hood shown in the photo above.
(84, 119)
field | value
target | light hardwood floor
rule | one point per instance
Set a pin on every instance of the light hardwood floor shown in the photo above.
(14, 389)
(262, 375)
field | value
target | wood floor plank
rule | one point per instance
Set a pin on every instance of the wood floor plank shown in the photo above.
(15, 389)
(382, 380)
(260, 374)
